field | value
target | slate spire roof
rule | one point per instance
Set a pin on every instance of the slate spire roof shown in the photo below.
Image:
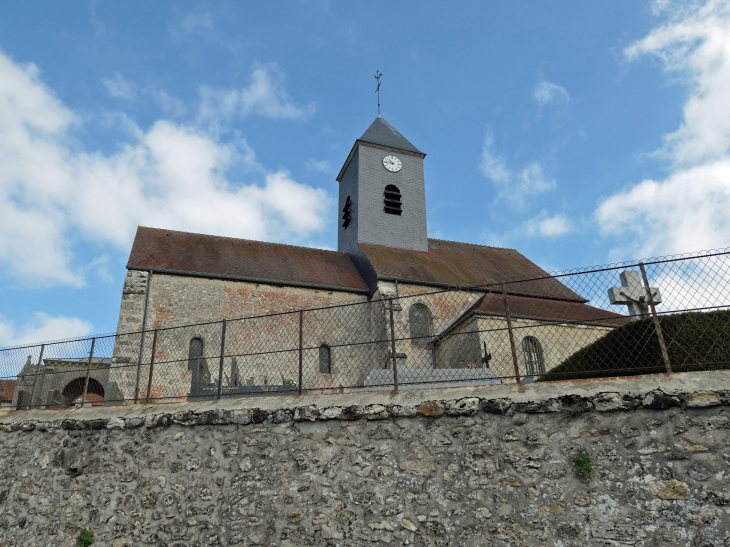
(381, 132)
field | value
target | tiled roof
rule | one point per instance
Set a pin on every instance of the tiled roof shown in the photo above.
(381, 132)
(215, 256)
(559, 310)
(452, 263)
(537, 308)
(7, 388)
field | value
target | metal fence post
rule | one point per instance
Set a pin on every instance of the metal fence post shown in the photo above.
(35, 376)
(301, 348)
(152, 366)
(658, 328)
(139, 368)
(220, 365)
(88, 371)
(511, 336)
(392, 345)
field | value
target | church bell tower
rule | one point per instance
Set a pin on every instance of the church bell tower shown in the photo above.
(382, 193)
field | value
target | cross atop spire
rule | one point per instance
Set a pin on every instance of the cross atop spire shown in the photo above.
(378, 75)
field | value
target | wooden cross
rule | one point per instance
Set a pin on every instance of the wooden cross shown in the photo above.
(632, 293)
(487, 356)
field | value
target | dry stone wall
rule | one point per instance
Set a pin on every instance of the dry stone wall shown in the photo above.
(468, 466)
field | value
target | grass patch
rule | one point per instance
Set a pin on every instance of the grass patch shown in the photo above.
(583, 465)
(695, 341)
(86, 538)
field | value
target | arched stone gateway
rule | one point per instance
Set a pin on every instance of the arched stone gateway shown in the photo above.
(74, 391)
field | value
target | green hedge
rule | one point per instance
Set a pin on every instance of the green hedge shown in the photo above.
(695, 341)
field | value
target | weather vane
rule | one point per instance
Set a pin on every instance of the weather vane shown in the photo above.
(378, 75)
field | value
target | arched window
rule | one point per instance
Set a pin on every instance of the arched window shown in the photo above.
(195, 353)
(200, 377)
(346, 213)
(392, 200)
(532, 351)
(325, 359)
(419, 319)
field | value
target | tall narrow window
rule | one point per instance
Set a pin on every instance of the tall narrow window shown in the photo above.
(325, 360)
(200, 376)
(392, 200)
(533, 356)
(346, 213)
(195, 353)
(419, 319)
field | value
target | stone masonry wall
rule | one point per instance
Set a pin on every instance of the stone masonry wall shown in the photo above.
(462, 466)
(177, 301)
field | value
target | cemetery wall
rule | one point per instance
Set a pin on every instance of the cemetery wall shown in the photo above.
(486, 465)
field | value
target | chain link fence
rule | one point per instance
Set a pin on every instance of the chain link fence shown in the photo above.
(660, 315)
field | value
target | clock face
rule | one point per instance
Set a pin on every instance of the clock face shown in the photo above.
(392, 164)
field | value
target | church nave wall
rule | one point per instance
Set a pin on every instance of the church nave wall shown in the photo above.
(265, 346)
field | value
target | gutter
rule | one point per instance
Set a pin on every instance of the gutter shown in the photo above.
(251, 280)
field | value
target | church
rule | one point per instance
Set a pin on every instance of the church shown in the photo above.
(388, 296)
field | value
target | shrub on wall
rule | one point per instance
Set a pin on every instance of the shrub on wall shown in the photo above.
(86, 538)
(695, 341)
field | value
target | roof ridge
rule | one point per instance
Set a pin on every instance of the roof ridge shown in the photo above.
(243, 239)
(477, 244)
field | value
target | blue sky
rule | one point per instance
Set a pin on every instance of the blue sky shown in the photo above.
(578, 133)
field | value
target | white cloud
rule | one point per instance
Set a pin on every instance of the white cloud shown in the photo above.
(548, 92)
(120, 88)
(544, 225)
(197, 21)
(541, 225)
(170, 105)
(695, 45)
(54, 194)
(42, 327)
(265, 96)
(515, 187)
(318, 166)
(493, 166)
(688, 209)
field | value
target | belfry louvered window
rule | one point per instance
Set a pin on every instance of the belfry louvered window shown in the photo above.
(346, 213)
(392, 200)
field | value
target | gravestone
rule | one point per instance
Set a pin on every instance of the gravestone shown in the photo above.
(423, 378)
(23, 400)
(632, 293)
(113, 394)
(56, 399)
(234, 372)
(200, 380)
(171, 395)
